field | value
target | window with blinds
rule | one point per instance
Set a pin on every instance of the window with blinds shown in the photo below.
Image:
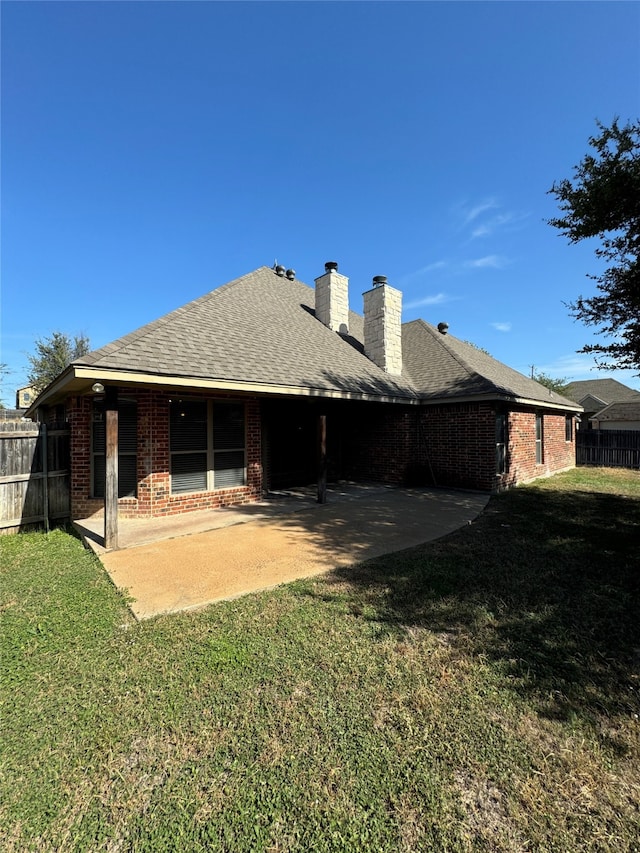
(539, 440)
(127, 449)
(501, 443)
(207, 445)
(189, 446)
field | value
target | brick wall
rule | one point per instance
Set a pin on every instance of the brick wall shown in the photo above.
(447, 445)
(558, 454)
(457, 446)
(79, 411)
(153, 494)
(380, 442)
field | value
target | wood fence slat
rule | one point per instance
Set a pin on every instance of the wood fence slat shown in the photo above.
(34, 474)
(618, 448)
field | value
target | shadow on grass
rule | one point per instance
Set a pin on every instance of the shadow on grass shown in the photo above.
(545, 585)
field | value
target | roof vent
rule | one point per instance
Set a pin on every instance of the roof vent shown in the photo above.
(443, 328)
(291, 274)
(379, 280)
(280, 271)
(331, 266)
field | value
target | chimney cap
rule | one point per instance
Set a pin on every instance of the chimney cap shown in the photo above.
(331, 266)
(379, 280)
(291, 274)
(443, 328)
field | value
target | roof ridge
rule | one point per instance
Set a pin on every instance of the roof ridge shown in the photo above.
(443, 342)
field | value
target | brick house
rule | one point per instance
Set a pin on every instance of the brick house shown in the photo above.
(221, 400)
(607, 404)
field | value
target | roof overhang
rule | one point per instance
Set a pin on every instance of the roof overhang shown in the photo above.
(504, 398)
(79, 379)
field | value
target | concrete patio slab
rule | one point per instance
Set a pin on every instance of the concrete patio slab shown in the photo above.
(190, 571)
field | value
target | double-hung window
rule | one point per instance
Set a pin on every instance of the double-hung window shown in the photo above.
(501, 443)
(568, 428)
(127, 449)
(207, 445)
(539, 440)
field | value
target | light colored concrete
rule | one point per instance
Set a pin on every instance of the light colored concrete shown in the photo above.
(190, 571)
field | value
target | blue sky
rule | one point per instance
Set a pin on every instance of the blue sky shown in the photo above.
(153, 151)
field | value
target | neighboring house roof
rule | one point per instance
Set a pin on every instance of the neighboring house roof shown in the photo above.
(624, 411)
(259, 333)
(602, 390)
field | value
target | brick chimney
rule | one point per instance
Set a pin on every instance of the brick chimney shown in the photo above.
(332, 298)
(382, 326)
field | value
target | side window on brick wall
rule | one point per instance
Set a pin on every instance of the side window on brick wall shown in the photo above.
(568, 428)
(127, 449)
(539, 440)
(501, 443)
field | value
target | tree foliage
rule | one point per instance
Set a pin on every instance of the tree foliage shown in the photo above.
(603, 201)
(557, 385)
(52, 355)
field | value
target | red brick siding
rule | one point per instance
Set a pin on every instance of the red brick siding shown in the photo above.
(380, 443)
(449, 445)
(79, 411)
(558, 453)
(153, 496)
(457, 445)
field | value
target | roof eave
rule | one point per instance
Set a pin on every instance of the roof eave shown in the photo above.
(79, 379)
(52, 392)
(502, 398)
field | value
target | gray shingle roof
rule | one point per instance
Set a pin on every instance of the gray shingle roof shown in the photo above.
(622, 411)
(607, 390)
(259, 328)
(442, 366)
(262, 329)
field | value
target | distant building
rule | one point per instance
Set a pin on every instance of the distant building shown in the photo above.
(596, 396)
(624, 415)
(25, 397)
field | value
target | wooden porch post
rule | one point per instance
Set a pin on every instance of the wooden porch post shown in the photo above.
(111, 469)
(322, 459)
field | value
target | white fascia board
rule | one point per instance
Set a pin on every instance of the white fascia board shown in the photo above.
(119, 377)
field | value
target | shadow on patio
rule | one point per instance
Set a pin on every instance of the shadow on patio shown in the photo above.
(276, 541)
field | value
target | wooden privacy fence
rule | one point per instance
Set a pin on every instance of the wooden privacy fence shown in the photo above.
(34, 474)
(611, 448)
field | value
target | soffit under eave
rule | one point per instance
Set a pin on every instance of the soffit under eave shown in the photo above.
(504, 399)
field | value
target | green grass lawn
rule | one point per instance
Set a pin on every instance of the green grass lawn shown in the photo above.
(477, 693)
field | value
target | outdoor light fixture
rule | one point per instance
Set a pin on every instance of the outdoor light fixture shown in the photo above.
(97, 388)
